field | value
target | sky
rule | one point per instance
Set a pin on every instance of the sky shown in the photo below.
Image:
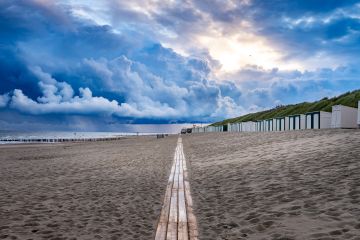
(94, 65)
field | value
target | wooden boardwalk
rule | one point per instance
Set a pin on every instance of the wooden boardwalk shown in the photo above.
(177, 220)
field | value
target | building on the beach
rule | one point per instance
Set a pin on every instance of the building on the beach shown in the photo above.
(224, 128)
(358, 114)
(248, 126)
(233, 127)
(318, 120)
(344, 117)
(268, 125)
(296, 122)
(240, 126)
(281, 124)
(258, 126)
(341, 117)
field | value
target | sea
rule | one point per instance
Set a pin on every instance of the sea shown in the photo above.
(133, 130)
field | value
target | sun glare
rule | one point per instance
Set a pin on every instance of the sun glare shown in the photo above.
(237, 51)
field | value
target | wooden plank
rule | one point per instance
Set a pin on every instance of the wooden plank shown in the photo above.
(192, 222)
(164, 215)
(173, 216)
(183, 233)
(177, 220)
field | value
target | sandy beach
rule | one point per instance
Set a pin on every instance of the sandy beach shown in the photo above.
(290, 185)
(98, 190)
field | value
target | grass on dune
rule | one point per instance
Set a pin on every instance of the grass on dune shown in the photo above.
(348, 99)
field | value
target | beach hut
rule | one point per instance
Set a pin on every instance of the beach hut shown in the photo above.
(268, 125)
(358, 114)
(242, 126)
(259, 126)
(251, 126)
(344, 117)
(212, 129)
(238, 127)
(296, 122)
(318, 120)
(234, 127)
(248, 126)
(264, 125)
(280, 124)
(224, 128)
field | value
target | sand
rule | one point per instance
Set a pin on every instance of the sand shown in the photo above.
(99, 190)
(290, 185)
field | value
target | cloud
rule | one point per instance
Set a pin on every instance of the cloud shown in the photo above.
(4, 99)
(83, 104)
(160, 61)
(145, 94)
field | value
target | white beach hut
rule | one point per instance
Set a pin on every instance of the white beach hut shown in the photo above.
(258, 126)
(238, 126)
(261, 126)
(268, 125)
(280, 124)
(358, 114)
(296, 122)
(302, 121)
(248, 126)
(234, 127)
(318, 120)
(264, 124)
(251, 126)
(344, 117)
(241, 127)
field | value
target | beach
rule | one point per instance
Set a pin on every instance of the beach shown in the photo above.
(92, 190)
(280, 185)
(291, 185)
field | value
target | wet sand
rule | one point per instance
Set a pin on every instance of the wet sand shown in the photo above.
(291, 185)
(95, 190)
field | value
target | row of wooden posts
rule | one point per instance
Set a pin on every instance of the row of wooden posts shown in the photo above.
(53, 140)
